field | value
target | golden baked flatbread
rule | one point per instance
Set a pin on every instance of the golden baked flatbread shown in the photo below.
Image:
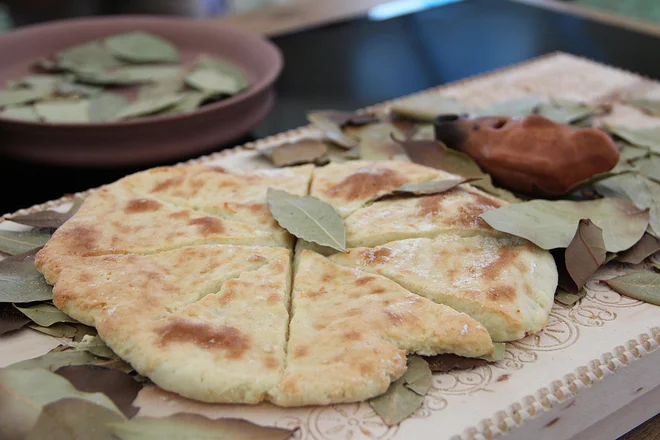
(350, 332)
(207, 322)
(347, 186)
(456, 210)
(506, 283)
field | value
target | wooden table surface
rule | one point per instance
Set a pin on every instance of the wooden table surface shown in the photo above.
(299, 15)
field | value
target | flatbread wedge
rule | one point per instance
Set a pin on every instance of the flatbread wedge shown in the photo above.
(207, 322)
(350, 332)
(116, 220)
(506, 283)
(456, 210)
(348, 186)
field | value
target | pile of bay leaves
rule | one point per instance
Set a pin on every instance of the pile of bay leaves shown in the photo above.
(92, 82)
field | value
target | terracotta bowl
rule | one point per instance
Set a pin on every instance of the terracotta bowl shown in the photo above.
(144, 140)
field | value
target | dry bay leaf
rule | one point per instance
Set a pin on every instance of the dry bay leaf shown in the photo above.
(56, 359)
(649, 106)
(297, 152)
(141, 47)
(209, 80)
(630, 186)
(11, 319)
(418, 375)
(96, 346)
(332, 131)
(444, 363)
(552, 224)
(644, 248)
(58, 330)
(68, 88)
(399, 401)
(205, 61)
(48, 218)
(309, 218)
(20, 113)
(585, 253)
(195, 426)
(20, 282)
(164, 86)
(87, 56)
(149, 106)
(23, 393)
(105, 107)
(642, 137)
(118, 386)
(518, 107)
(43, 82)
(499, 349)
(68, 111)
(74, 419)
(20, 96)
(20, 242)
(45, 315)
(568, 298)
(628, 152)
(643, 286)
(565, 111)
(376, 149)
(424, 188)
(650, 167)
(343, 119)
(427, 106)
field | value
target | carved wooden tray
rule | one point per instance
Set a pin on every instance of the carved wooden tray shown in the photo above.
(591, 360)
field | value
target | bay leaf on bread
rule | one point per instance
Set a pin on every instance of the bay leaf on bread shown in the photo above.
(308, 218)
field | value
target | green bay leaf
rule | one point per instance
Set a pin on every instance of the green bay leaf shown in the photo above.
(20, 282)
(58, 330)
(57, 359)
(208, 80)
(499, 349)
(63, 111)
(308, 218)
(20, 242)
(650, 106)
(45, 315)
(552, 224)
(585, 253)
(225, 67)
(68, 419)
(88, 56)
(141, 47)
(418, 376)
(567, 298)
(643, 286)
(628, 152)
(400, 401)
(20, 113)
(644, 248)
(21, 96)
(630, 186)
(105, 107)
(650, 167)
(565, 111)
(195, 426)
(163, 86)
(48, 218)
(642, 137)
(149, 106)
(428, 106)
(96, 346)
(518, 107)
(425, 188)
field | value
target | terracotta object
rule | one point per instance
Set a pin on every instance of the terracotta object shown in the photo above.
(533, 155)
(144, 140)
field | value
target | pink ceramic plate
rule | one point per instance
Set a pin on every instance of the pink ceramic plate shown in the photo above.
(144, 140)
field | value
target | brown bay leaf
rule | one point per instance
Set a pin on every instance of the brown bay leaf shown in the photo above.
(585, 253)
(648, 106)
(552, 224)
(96, 346)
(56, 359)
(141, 47)
(644, 248)
(45, 315)
(643, 286)
(76, 419)
(308, 218)
(344, 119)
(195, 426)
(23, 393)
(428, 106)
(20, 242)
(642, 137)
(444, 363)
(11, 319)
(399, 401)
(20, 282)
(118, 386)
(376, 149)
(48, 218)
(297, 152)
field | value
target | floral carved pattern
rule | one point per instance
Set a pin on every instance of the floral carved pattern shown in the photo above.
(348, 422)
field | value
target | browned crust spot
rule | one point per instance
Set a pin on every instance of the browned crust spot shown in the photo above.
(141, 205)
(81, 240)
(376, 256)
(271, 362)
(224, 337)
(299, 352)
(209, 225)
(167, 184)
(367, 182)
